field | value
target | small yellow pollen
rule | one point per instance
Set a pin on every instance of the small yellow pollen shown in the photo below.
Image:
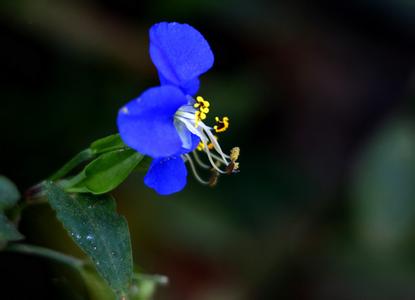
(222, 124)
(233, 167)
(235, 151)
(201, 145)
(203, 108)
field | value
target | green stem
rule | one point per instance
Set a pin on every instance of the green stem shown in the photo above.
(47, 253)
(15, 213)
(81, 157)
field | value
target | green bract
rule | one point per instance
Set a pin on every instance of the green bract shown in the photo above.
(105, 172)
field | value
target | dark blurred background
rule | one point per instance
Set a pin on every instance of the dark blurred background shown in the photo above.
(321, 99)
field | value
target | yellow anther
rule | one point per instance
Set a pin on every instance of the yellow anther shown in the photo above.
(235, 151)
(222, 125)
(210, 145)
(204, 110)
(200, 116)
(233, 167)
(202, 107)
(201, 145)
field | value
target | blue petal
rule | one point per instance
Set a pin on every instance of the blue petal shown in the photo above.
(179, 52)
(146, 124)
(166, 175)
(189, 88)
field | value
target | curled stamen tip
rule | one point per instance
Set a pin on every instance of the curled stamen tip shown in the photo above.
(222, 124)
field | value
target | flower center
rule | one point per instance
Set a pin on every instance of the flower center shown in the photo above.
(192, 116)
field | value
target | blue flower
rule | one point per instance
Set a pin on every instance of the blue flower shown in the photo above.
(166, 122)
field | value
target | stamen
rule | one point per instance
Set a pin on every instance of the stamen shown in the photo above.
(214, 141)
(219, 159)
(194, 171)
(199, 161)
(213, 181)
(192, 117)
(201, 145)
(212, 162)
(205, 139)
(222, 124)
(235, 153)
(202, 107)
(233, 167)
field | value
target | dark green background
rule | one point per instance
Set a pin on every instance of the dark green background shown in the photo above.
(321, 102)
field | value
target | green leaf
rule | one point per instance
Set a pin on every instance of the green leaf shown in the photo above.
(9, 194)
(106, 144)
(98, 230)
(106, 172)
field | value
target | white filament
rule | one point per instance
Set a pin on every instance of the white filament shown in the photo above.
(186, 115)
